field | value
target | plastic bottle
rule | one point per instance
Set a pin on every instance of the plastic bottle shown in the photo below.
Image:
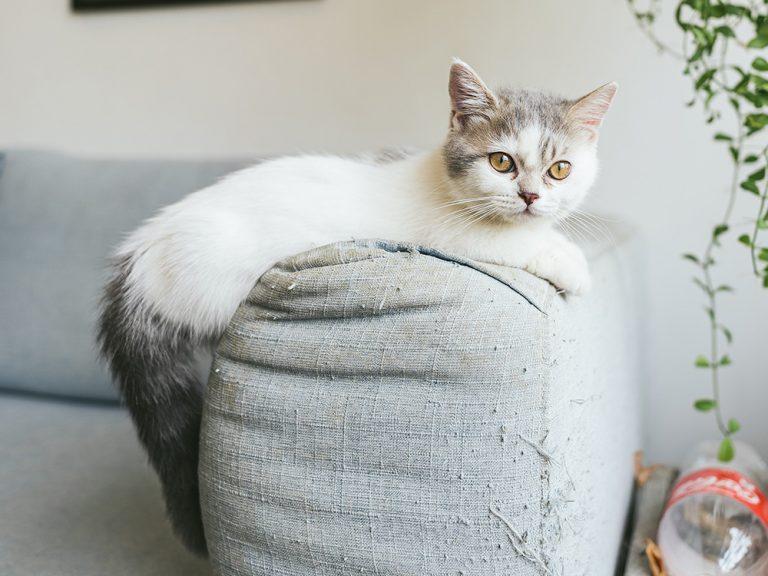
(716, 520)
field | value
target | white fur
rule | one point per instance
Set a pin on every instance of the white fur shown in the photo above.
(197, 259)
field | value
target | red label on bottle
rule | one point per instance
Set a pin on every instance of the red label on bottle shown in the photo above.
(728, 483)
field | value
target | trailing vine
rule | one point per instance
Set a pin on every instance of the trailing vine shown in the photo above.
(723, 46)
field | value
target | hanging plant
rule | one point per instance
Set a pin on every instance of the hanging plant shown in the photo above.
(723, 53)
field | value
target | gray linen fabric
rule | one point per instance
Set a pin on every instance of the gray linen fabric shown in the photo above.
(77, 496)
(374, 409)
(60, 217)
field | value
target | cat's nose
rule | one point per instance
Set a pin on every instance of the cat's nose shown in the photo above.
(528, 197)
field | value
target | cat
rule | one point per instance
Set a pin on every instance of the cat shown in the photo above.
(514, 163)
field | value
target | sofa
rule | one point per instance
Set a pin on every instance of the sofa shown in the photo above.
(78, 496)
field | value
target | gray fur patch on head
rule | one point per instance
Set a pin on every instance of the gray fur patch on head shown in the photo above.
(515, 111)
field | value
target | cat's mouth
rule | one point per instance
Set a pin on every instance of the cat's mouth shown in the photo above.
(511, 211)
(534, 210)
(499, 209)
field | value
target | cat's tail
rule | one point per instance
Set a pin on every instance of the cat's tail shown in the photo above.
(153, 361)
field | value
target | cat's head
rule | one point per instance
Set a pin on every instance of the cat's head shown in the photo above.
(515, 154)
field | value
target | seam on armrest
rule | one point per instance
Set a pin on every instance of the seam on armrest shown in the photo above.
(435, 253)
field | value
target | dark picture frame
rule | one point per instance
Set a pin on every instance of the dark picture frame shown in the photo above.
(88, 5)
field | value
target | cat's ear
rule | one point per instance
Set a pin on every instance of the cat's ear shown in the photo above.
(587, 112)
(470, 97)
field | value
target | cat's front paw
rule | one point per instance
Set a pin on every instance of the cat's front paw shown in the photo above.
(563, 265)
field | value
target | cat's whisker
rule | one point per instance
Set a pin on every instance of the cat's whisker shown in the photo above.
(461, 202)
(586, 231)
(594, 216)
(595, 221)
(598, 223)
(460, 217)
(572, 231)
(599, 232)
(575, 227)
(459, 223)
(464, 201)
(480, 215)
(587, 237)
(468, 207)
(460, 214)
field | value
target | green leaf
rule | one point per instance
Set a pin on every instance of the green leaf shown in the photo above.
(754, 98)
(746, 240)
(692, 258)
(758, 42)
(751, 159)
(725, 360)
(756, 120)
(750, 186)
(735, 10)
(733, 426)
(734, 153)
(727, 333)
(705, 78)
(724, 288)
(758, 81)
(762, 224)
(701, 35)
(724, 137)
(716, 11)
(701, 362)
(763, 255)
(704, 404)
(726, 31)
(760, 63)
(757, 175)
(697, 55)
(719, 230)
(726, 451)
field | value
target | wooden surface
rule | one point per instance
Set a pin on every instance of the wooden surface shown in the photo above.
(649, 505)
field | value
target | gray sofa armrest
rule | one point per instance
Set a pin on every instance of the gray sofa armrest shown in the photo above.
(376, 408)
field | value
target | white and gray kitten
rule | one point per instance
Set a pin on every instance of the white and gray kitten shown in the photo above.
(513, 164)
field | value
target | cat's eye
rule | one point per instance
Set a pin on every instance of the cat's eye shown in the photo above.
(560, 170)
(501, 162)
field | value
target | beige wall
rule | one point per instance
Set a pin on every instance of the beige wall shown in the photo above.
(346, 75)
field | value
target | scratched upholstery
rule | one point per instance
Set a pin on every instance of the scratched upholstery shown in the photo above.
(379, 409)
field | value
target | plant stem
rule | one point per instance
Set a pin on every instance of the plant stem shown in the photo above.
(660, 46)
(646, 26)
(714, 359)
(760, 218)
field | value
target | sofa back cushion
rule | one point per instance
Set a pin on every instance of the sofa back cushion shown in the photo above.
(60, 217)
